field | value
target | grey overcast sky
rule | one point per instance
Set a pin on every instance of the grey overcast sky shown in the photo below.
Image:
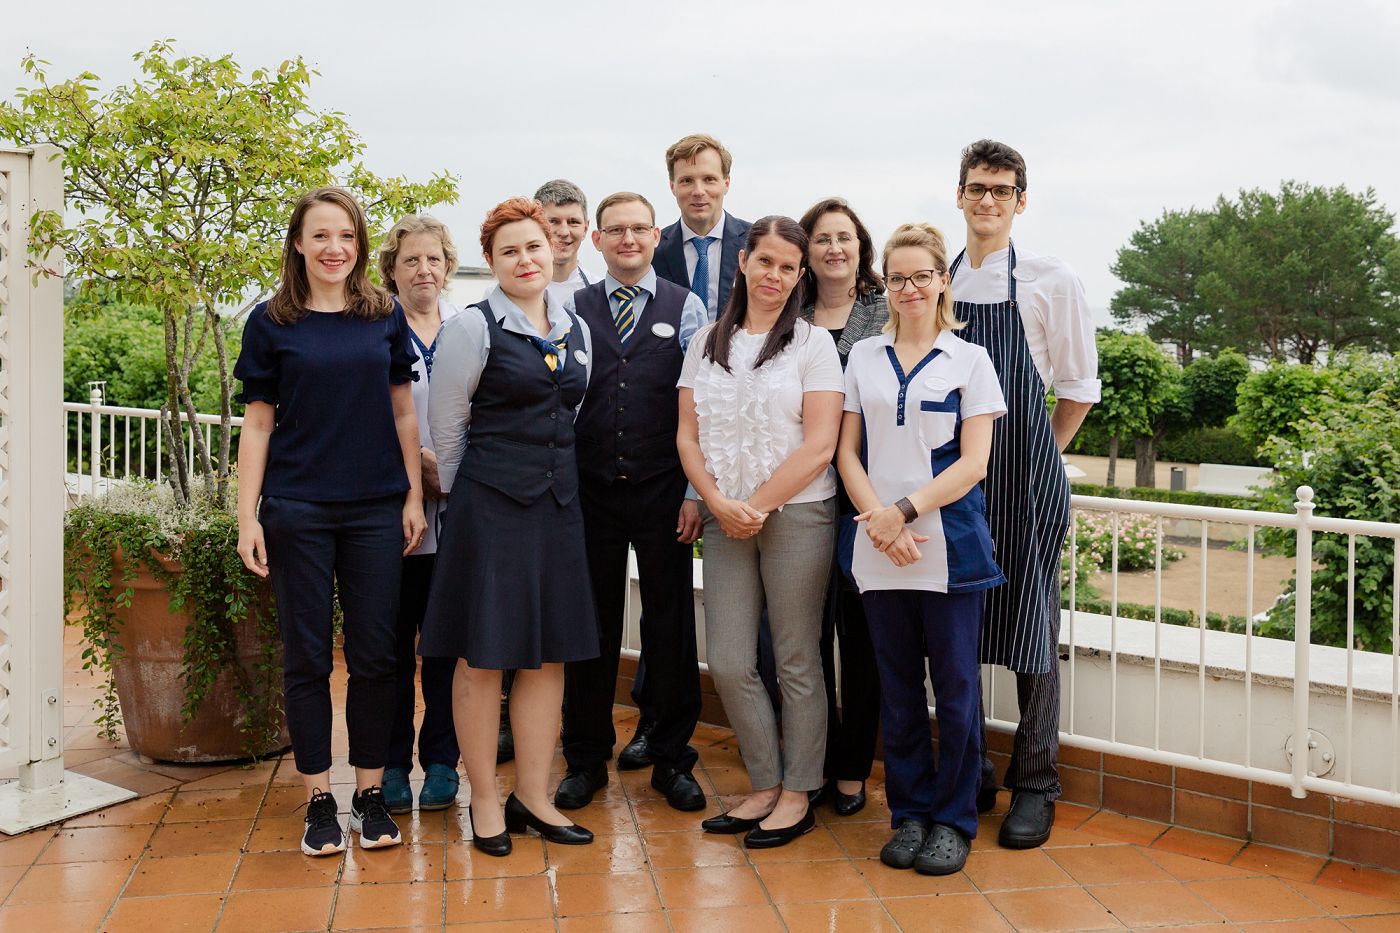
(1121, 109)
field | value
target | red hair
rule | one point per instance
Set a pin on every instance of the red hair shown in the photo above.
(508, 212)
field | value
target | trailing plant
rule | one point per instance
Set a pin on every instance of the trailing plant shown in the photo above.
(110, 539)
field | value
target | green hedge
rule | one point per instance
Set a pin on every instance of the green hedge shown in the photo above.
(1209, 445)
(1145, 494)
(1184, 617)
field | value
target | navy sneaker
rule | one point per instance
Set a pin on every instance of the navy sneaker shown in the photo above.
(369, 816)
(439, 788)
(398, 796)
(323, 835)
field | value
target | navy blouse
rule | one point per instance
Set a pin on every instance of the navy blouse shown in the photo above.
(328, 378)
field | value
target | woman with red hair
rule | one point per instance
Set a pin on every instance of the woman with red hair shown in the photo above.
(511, 589)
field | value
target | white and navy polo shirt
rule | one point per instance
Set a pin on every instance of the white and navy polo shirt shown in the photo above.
(913, 422)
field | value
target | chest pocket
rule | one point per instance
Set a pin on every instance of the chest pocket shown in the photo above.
(938, 419)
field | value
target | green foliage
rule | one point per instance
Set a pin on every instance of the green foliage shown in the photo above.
(1209, 387)
(1141, 386)
(1273, 402)
(134, 527)
(1184, 617)
(1181, 497)
(1159, 268)
(1210, 445)
(1136, 535)
(181, 181)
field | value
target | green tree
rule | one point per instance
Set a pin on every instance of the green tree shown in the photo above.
(1306, 270)
(1140, 386)
(1210, 385)
(1159, 269)
(1273, 402)
(182, 181)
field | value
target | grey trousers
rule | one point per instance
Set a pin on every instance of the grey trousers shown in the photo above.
(785, 567)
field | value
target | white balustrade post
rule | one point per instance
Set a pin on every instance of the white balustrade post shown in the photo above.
(95, 414)
(1302, 641)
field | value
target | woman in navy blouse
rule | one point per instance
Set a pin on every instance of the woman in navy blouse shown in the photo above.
(330, 444)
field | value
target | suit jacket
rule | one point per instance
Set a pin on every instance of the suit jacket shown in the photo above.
(868, 316)
(669, 260)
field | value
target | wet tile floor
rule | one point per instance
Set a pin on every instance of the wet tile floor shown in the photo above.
(209, 848)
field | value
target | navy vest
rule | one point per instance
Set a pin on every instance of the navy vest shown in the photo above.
(521, 437)
(627, 426)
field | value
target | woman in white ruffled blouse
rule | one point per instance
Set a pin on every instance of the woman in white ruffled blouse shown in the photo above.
(760, 407)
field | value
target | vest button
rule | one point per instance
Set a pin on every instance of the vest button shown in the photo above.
(549, 473)
(551, 445)
(622, 385)
(555, 387)
(619, 433)
(554, 415)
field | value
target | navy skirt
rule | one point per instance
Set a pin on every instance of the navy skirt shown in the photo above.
(511, 587)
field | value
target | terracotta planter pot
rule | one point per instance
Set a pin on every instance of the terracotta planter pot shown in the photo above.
(152, 692)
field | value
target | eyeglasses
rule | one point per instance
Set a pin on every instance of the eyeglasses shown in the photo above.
(637, 230)
(841, 239)
(976, 192)
(921, 279)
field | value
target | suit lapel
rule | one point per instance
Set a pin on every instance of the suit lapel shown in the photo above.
(669, 261)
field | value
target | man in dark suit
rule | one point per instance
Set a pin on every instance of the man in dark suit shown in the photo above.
(632, 490)
(701, 250)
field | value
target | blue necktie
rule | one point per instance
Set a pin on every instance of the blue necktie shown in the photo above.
(700, 283)
(625, 318)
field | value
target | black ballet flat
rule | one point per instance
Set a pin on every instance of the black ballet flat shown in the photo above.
(726, 825)
(498, 845)
(760, 838)
(848, 804)
(519, 817)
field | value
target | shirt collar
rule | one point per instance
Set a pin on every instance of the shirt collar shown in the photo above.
(717, 231)
(646, 283)
(510, 317)
(946, 341)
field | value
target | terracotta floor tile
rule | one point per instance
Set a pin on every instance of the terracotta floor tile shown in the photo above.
(395, 864)
(518, 926)
(124, 775)
(1061, 837)
(1245, 900)
(1154, 904)
(1052, 910)
(1071, 815)
(687, 850)
(607, 854)
(382, 905)
(185, 874)
(70, 917)
(801, 882)
(1186, 868)
(1005, 870)
(277, 911)
(280, 833)
(726, 781)
(648, 922)
(712, 886)
(24, 849)
(893, 882)
(609, 817)
(260, 870)
(949, 913)
(839, 917)
(1370, 924)
(71, 881)
(1340, 903)
(1124, 828)
(258, 775)
(750, 919)
(1296, 926)
(628, 892)
(141, 810)
(199, 838)
(429, 828)
(1361, 880)
(817, 846)
(656, 816)
(172, 914)
(526, 858)
(1281, 863)
(863, 840)
(9, 877)
(97, 844)
(1108, 865)
(485, 899)
(1198, 845)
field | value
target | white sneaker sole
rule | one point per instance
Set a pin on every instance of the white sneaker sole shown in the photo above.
(366, 843)
(324, 850)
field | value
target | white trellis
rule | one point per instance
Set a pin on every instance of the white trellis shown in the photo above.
(31, 512)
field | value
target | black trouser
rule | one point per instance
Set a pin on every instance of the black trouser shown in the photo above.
(437, 742)
(767, 672)
(642, 514)
(851, 733)
(314, 550)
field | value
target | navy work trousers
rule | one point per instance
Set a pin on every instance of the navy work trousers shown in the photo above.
(437, 741)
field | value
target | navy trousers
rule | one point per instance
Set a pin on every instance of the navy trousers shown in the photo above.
(912, 629)
(314, 550)
(437, 741)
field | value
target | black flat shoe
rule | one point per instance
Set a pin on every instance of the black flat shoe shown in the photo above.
(848, 804)
(519, 817)
(818, 797)
(1029, 821)
(760, 838)
(577, 788)
(680, 787)
(726, 825)
(635, 755)
(987, 789)
(498, 845)
(944, 852)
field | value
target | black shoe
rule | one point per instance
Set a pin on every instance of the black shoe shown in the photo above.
(726, 825)
(1029, 821)
(323, 835)
(680, 787)
(518, 817)
(848, 804)
(904, 846)
(635, 755)
(577, 788)
(818, 797)
(987, 790)
(498, 845)
(760, 838)
(505, 741)
(369, 816)
(944, 853)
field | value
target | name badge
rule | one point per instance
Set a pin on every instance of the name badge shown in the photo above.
(581, 357)
(1022, 274)
(661, 329)
(935, 384)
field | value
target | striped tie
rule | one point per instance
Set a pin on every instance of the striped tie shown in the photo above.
(626, 317)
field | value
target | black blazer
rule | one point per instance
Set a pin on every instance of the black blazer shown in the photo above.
(669, 261)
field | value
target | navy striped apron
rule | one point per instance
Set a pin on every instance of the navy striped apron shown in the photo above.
(1027, 493)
